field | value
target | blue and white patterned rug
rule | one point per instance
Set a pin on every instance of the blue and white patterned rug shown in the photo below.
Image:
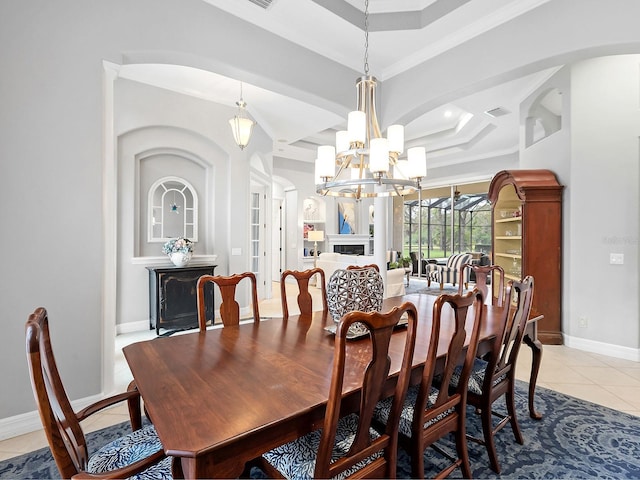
(574, 439)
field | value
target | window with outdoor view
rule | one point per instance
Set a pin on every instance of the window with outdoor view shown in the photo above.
(449, 225)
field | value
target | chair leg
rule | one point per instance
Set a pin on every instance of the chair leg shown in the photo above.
(441, 285)
(487, 430)
(511, 410)
(417, 459)
(463, 452)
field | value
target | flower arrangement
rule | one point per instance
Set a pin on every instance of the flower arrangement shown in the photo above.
(178, 245)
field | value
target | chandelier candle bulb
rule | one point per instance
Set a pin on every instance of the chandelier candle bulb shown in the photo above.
(417, 157)
(395, 135)
(379, 155)
(326, 161)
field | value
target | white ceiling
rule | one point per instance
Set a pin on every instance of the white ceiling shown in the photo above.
(402, 35)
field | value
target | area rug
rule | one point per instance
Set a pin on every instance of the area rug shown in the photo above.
(420, 286)
(575, 439)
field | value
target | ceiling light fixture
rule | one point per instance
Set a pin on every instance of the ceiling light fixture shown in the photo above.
(241, 124)
(367, 163)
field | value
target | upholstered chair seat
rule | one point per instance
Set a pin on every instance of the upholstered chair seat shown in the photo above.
(476, 379)
(383, 410)
(304, 451)
(129, 449)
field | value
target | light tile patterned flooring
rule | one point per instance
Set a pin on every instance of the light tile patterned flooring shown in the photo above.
(607, 381)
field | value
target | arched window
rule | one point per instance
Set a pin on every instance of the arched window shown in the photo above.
(173, 210)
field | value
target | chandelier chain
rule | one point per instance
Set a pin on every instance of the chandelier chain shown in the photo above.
(366, 37)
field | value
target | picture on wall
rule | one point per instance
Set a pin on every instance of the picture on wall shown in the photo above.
(346, 218)
(306, 227)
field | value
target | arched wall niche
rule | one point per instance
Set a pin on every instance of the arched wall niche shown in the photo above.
(544, 117)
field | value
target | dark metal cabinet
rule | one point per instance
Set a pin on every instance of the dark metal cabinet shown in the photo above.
(173, 300)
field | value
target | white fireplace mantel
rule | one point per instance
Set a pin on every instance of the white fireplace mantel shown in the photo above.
(348, 239)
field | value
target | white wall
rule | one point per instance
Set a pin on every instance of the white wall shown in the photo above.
(595, 155)
(605, 132)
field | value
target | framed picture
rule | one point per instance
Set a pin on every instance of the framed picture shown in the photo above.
(346, 218)
(306, 227)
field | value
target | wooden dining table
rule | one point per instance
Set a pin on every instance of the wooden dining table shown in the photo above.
(222, 397)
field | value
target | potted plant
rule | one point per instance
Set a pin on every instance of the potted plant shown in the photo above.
(406, 261)
(179, 250)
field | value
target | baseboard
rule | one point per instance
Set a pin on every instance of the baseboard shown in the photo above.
(30, 422)
(131, 327)
(602, 348)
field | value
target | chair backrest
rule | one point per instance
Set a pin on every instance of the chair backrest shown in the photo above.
(305, 301)
(229, 307)
(502, 360)
(459, 306)
(454, 262)
(359, 288)
(482, 273)
(360, 267)
(62, 428)
(374, 375)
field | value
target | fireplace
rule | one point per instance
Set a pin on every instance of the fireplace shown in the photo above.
(349, 249)
(354, 244)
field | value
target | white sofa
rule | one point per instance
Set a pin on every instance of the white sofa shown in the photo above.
(330, 262)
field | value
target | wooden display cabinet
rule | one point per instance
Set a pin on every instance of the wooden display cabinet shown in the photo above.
(527, 239)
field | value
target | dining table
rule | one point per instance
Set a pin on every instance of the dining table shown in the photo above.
(222, 397)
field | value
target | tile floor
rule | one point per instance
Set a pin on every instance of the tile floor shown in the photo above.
(608, 381)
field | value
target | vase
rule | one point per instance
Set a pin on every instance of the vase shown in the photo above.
(180, 259)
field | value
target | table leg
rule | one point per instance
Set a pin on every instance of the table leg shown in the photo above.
(536, 350)
(203, 467)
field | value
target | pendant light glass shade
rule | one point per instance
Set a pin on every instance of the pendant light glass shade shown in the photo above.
(241, 124)
(241, 128)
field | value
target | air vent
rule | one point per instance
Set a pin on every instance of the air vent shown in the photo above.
(497, 112)
(262, 3)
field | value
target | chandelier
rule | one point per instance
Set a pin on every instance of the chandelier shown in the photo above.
(241, 124)
(363, 163)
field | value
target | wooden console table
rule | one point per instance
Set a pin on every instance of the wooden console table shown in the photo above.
(173, 303)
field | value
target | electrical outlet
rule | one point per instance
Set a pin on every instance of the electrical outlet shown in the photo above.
(582, 322)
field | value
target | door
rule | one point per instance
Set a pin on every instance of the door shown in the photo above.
(257, 238)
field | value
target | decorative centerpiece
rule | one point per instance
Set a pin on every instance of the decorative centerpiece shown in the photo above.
(179, 251)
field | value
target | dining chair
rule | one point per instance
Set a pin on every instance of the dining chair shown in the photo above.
(137, 455)
(360, 288)
(483, 279)
(360, 267)
(229, 307)
(347, 445)
(305, 301)
(430, 413)
(494, 375)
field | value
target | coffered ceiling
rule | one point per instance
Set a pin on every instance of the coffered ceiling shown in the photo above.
(435, 43)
